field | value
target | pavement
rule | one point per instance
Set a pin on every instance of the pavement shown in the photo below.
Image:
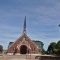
(17, 57)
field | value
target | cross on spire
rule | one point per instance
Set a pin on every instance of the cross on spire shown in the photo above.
(24, 27)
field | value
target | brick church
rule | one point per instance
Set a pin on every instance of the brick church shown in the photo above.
(23, 45)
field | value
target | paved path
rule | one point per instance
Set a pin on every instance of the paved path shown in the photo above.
(17, 57)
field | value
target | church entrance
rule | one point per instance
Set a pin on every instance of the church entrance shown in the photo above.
(23, 49)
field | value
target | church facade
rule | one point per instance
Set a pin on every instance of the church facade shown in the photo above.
(23, 45)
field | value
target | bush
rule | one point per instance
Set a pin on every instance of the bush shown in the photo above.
(1, 48)
(58, 52)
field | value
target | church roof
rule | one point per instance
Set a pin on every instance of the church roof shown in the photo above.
(38, 44)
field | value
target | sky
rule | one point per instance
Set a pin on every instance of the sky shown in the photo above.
(43, 19)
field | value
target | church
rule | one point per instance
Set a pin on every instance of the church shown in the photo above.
(23, 45)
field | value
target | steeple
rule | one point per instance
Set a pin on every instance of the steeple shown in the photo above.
(24, 26)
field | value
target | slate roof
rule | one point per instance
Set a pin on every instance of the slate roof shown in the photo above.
(39, 45)
(10, 44)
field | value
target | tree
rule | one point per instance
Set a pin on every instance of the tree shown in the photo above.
(51, 48)
(54, 48)
(1, 48)
(58, 47)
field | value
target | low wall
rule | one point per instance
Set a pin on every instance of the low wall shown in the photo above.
(48, 57)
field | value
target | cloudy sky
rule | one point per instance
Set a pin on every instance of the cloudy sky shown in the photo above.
(43, 19)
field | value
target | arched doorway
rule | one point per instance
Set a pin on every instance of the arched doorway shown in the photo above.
(23, 49)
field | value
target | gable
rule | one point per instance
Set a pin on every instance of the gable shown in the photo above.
(23, 40)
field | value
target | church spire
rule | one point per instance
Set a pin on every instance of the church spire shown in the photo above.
(24, 27)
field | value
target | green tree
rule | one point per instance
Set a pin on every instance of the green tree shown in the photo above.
(58, 45)
(58, 48)
(51, 48)
(1, 48)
